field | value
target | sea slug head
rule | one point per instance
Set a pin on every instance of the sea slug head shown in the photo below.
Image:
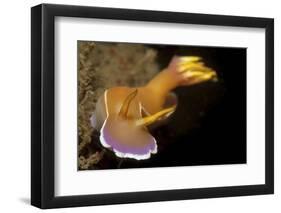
(127, 136)
(191, 70)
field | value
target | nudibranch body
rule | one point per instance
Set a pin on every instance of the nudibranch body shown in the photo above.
(123, 114)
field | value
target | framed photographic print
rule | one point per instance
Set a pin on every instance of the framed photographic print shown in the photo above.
(140, 106)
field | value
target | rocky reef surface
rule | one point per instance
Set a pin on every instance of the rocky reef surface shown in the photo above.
(102, 65)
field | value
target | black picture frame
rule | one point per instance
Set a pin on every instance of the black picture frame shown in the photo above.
(43, 102)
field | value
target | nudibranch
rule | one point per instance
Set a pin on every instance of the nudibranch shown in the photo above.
(123, 114)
